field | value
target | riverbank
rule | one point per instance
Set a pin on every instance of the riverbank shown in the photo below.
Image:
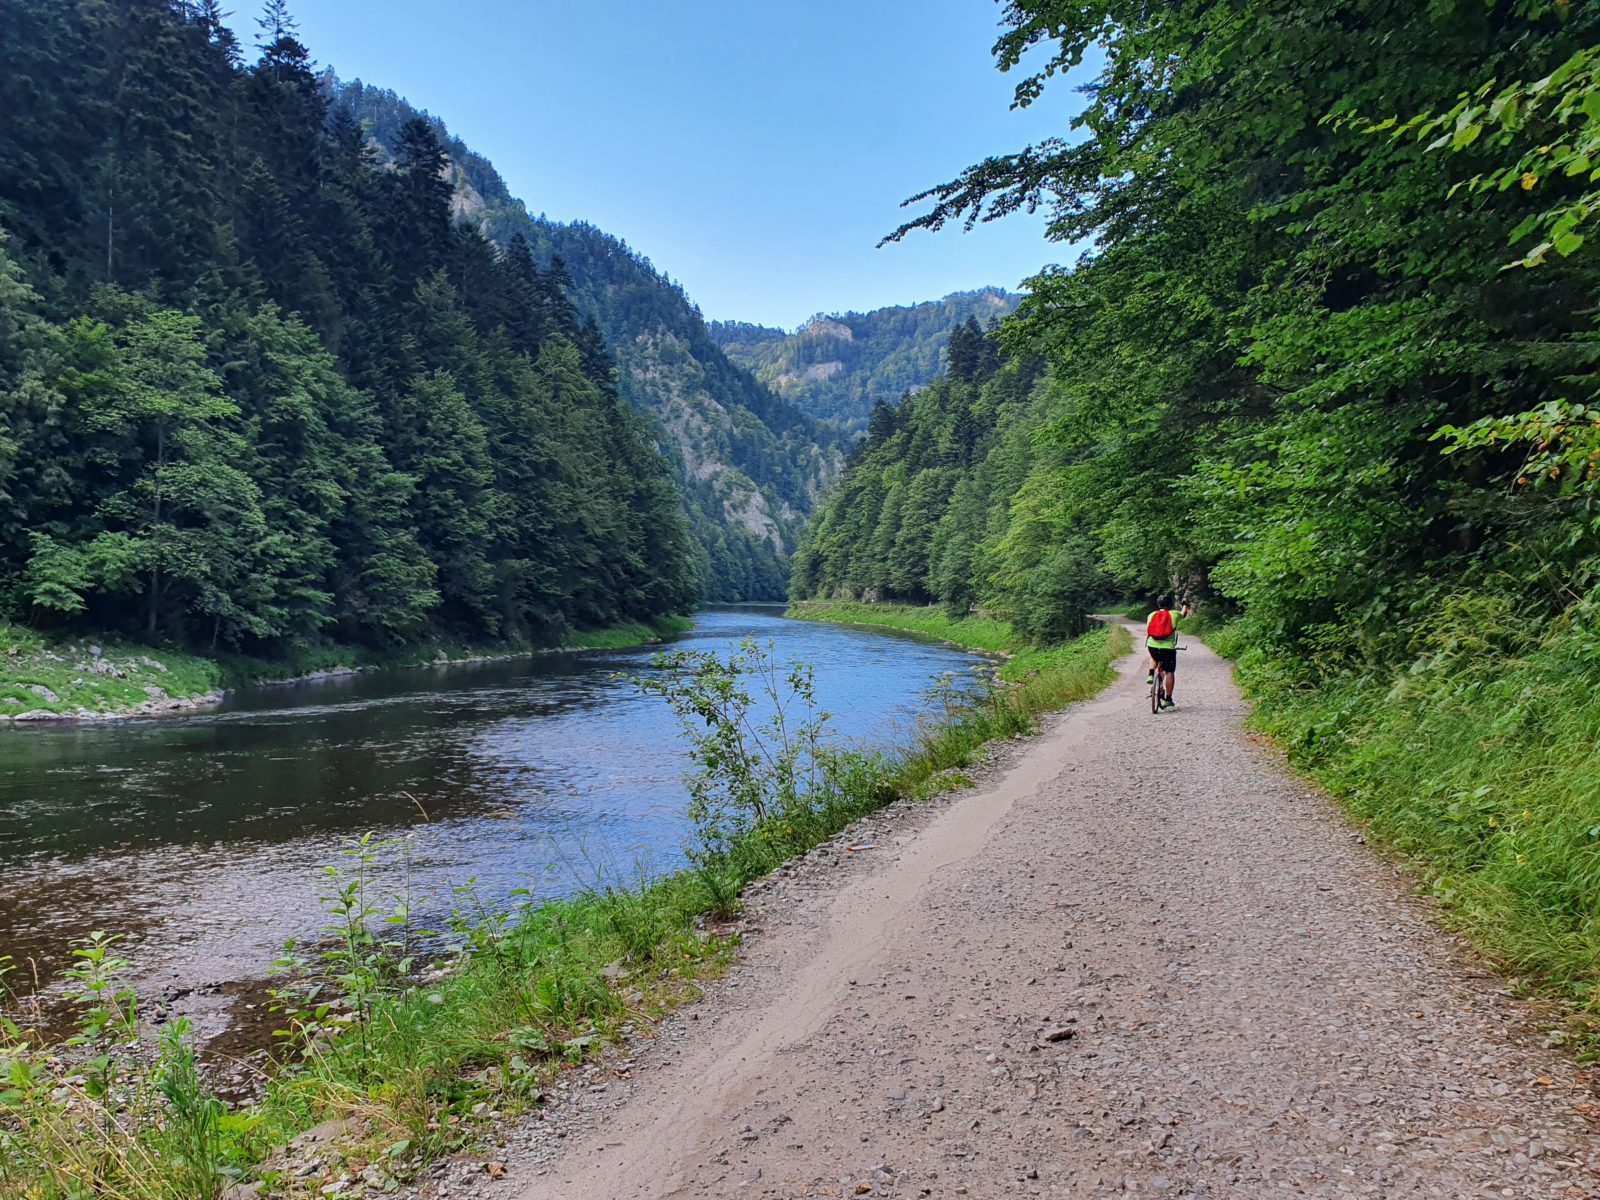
(415, 1066)
(988, 635)
(96, 679)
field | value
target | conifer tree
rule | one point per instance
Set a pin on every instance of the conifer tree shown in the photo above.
(319, 407)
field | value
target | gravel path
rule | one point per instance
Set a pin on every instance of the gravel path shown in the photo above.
(1142, 958)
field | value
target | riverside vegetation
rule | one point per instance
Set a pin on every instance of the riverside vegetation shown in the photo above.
(411, 1040)
(85, 677)
(1329, 368)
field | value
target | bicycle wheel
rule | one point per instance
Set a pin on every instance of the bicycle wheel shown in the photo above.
(1155, 692)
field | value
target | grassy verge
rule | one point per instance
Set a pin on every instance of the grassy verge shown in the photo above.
(1479, 762)
(39, 674)
(633, 633)
(103, 676)
(417, 1061)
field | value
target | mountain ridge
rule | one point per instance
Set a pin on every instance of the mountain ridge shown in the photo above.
(750, 463)
(838, 366)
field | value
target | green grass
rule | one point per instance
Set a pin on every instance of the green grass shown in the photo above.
(633, 633)
(1479, 762)
(117, 680)
(114, 680)
(975, 633)
(525, 994)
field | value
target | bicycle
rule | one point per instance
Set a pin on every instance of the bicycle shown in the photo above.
(1156, 676)
(1156, 688)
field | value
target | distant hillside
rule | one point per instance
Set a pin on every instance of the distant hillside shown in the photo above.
(837, 367)
(751, 463)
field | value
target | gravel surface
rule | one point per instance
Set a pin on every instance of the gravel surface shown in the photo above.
(1139, 957)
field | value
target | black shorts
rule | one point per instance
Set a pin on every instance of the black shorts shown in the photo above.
(1166, 659)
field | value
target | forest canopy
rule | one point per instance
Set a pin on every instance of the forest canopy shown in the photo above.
(1292, 375)
(257, 384)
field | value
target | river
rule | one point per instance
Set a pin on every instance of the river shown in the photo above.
(202, 838)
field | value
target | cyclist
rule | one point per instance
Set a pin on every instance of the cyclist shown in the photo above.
(1161, 641)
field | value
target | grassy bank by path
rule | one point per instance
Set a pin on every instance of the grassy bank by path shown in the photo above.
(975, 633)
(98, 677)
(1479, 762)
(417, 1062)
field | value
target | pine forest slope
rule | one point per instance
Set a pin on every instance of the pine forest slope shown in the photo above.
(258, 390)
(839, 366)
(750, 463)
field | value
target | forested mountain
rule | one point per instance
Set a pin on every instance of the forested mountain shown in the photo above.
(750, 464)
(258, 387)
(838, 366)
(1295, 373)
(923, 511)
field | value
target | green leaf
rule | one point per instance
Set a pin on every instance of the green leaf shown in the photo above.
(1527, 226)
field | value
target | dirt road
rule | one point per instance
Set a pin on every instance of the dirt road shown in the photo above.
(1144, 959)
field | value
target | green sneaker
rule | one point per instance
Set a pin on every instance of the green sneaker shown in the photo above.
(1151, 677)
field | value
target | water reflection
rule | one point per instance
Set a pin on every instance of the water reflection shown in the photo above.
(202, 836)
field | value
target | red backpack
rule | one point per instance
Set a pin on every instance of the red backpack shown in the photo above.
(1160, 624)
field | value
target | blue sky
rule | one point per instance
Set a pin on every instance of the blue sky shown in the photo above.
(755, 151)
